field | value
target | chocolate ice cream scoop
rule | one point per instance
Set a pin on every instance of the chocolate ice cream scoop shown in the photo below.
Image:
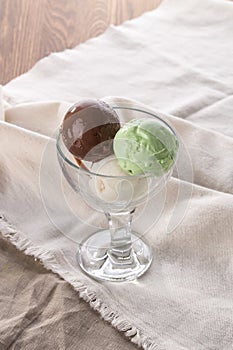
(88, 130)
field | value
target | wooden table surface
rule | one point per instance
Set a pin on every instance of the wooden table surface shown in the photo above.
(32, 29)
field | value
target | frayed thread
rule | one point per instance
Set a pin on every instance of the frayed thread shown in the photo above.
(48, 260)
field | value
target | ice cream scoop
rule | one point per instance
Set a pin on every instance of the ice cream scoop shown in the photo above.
(145, 146)
(115, 185)
(88, 130)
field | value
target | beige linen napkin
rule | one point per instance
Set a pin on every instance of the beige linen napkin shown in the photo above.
(178, 59)
(39, 310)
(190, 279)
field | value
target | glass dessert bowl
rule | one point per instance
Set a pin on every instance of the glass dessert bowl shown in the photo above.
(115, 179)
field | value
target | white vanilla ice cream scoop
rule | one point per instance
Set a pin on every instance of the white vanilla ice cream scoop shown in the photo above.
(120, 187)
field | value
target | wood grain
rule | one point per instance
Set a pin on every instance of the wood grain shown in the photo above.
(31, 29)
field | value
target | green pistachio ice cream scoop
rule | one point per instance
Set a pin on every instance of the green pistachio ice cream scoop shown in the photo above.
(145, 146)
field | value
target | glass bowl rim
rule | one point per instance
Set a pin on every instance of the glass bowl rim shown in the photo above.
(126, 177)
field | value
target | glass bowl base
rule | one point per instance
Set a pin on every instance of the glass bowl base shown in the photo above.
(102, 262)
